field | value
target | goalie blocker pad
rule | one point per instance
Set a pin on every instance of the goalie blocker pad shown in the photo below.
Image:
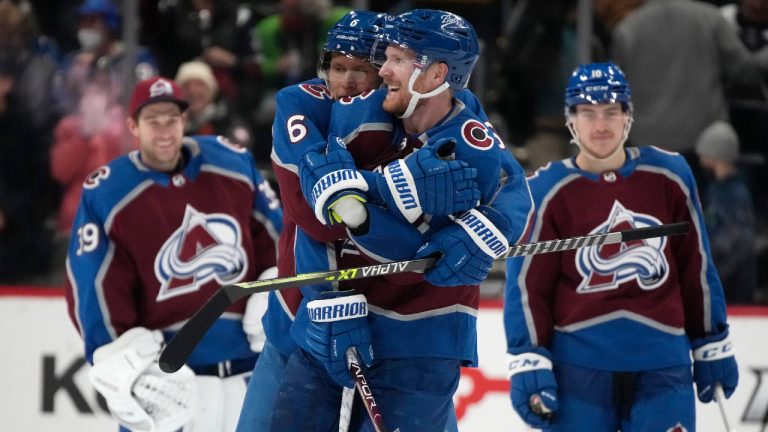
(140, 396)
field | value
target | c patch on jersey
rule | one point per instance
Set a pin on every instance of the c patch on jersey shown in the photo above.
(476, 135)
(318, 91)
(607, 267)
(205, 247)
(94, 179)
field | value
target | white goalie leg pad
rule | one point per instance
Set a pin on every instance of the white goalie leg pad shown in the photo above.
(220, 401)
(526, 362)
(139, 395)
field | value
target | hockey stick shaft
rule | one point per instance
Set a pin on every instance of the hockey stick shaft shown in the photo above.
(720, 398)
(364, 390)
(183, 343)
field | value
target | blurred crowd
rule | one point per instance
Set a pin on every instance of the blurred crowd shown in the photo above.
(698, 71)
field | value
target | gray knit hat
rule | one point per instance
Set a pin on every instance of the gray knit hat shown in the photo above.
(718, 141)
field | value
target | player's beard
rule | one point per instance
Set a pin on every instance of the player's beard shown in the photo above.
(396, 102)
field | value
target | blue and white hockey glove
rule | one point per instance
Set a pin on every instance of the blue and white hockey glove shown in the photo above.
(468, 248)
(424, 183)
(714, 363)
(533, 389)
(328, 178)
(339, 320)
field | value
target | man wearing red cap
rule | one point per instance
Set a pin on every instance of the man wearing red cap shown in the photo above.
(156, 233)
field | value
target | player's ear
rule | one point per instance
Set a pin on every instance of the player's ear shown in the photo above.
(132, 125)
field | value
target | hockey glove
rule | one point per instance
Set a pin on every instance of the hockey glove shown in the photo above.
(425, 183)
(468, 248)
(339, 320)
(328, 178)
(713, 363)
(533, 389)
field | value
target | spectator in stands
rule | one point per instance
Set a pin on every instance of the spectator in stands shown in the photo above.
(679, 74)
(288, 45)
(35, 59)
(728, 212)
(100, 49)
(209, 114)
(749, 20)
(85, 140)
(27, 195)
(208, 31)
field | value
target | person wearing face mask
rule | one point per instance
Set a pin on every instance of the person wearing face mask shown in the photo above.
(100, 49)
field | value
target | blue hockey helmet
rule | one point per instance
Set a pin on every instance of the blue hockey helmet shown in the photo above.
(437, 36)
(354, 34)
(598, 83)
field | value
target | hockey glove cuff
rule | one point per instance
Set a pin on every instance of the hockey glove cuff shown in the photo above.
(533, 389)
(338, 321)
(328, 178)
(424, 182)
(714, 363)
(468, 248)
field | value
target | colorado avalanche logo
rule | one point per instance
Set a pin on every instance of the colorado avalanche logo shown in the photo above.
(476, 135)
(317, 91)
(205, 247)
(607, 267)
(677, 428)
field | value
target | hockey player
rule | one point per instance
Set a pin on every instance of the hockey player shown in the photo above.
(600, 339)
(420, 328)
(301, 126)
(156, 233)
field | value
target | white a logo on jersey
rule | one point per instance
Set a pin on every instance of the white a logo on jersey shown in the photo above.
(606, 267)
(205, 247)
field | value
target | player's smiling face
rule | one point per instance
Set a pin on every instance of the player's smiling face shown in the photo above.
(396, 72)
(159, 130)
(600, 128)
(350, 76)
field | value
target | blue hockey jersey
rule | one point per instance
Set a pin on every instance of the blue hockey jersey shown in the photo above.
(621, 307)
(149, 248)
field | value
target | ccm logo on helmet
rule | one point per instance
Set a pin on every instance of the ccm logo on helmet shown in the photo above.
(476, 135)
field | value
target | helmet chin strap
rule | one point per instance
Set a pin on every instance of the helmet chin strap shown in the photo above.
(416, 96)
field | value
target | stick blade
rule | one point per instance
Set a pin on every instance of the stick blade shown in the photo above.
(180, 347)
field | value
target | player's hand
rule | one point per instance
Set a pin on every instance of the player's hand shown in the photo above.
(339, 320)
(713, 363)
(467, 248)
(427, 181)
(533, 389)
(328, 178)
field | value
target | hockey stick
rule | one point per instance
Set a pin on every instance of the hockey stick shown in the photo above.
(720, 398)
(364, 390)
(179, 348)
